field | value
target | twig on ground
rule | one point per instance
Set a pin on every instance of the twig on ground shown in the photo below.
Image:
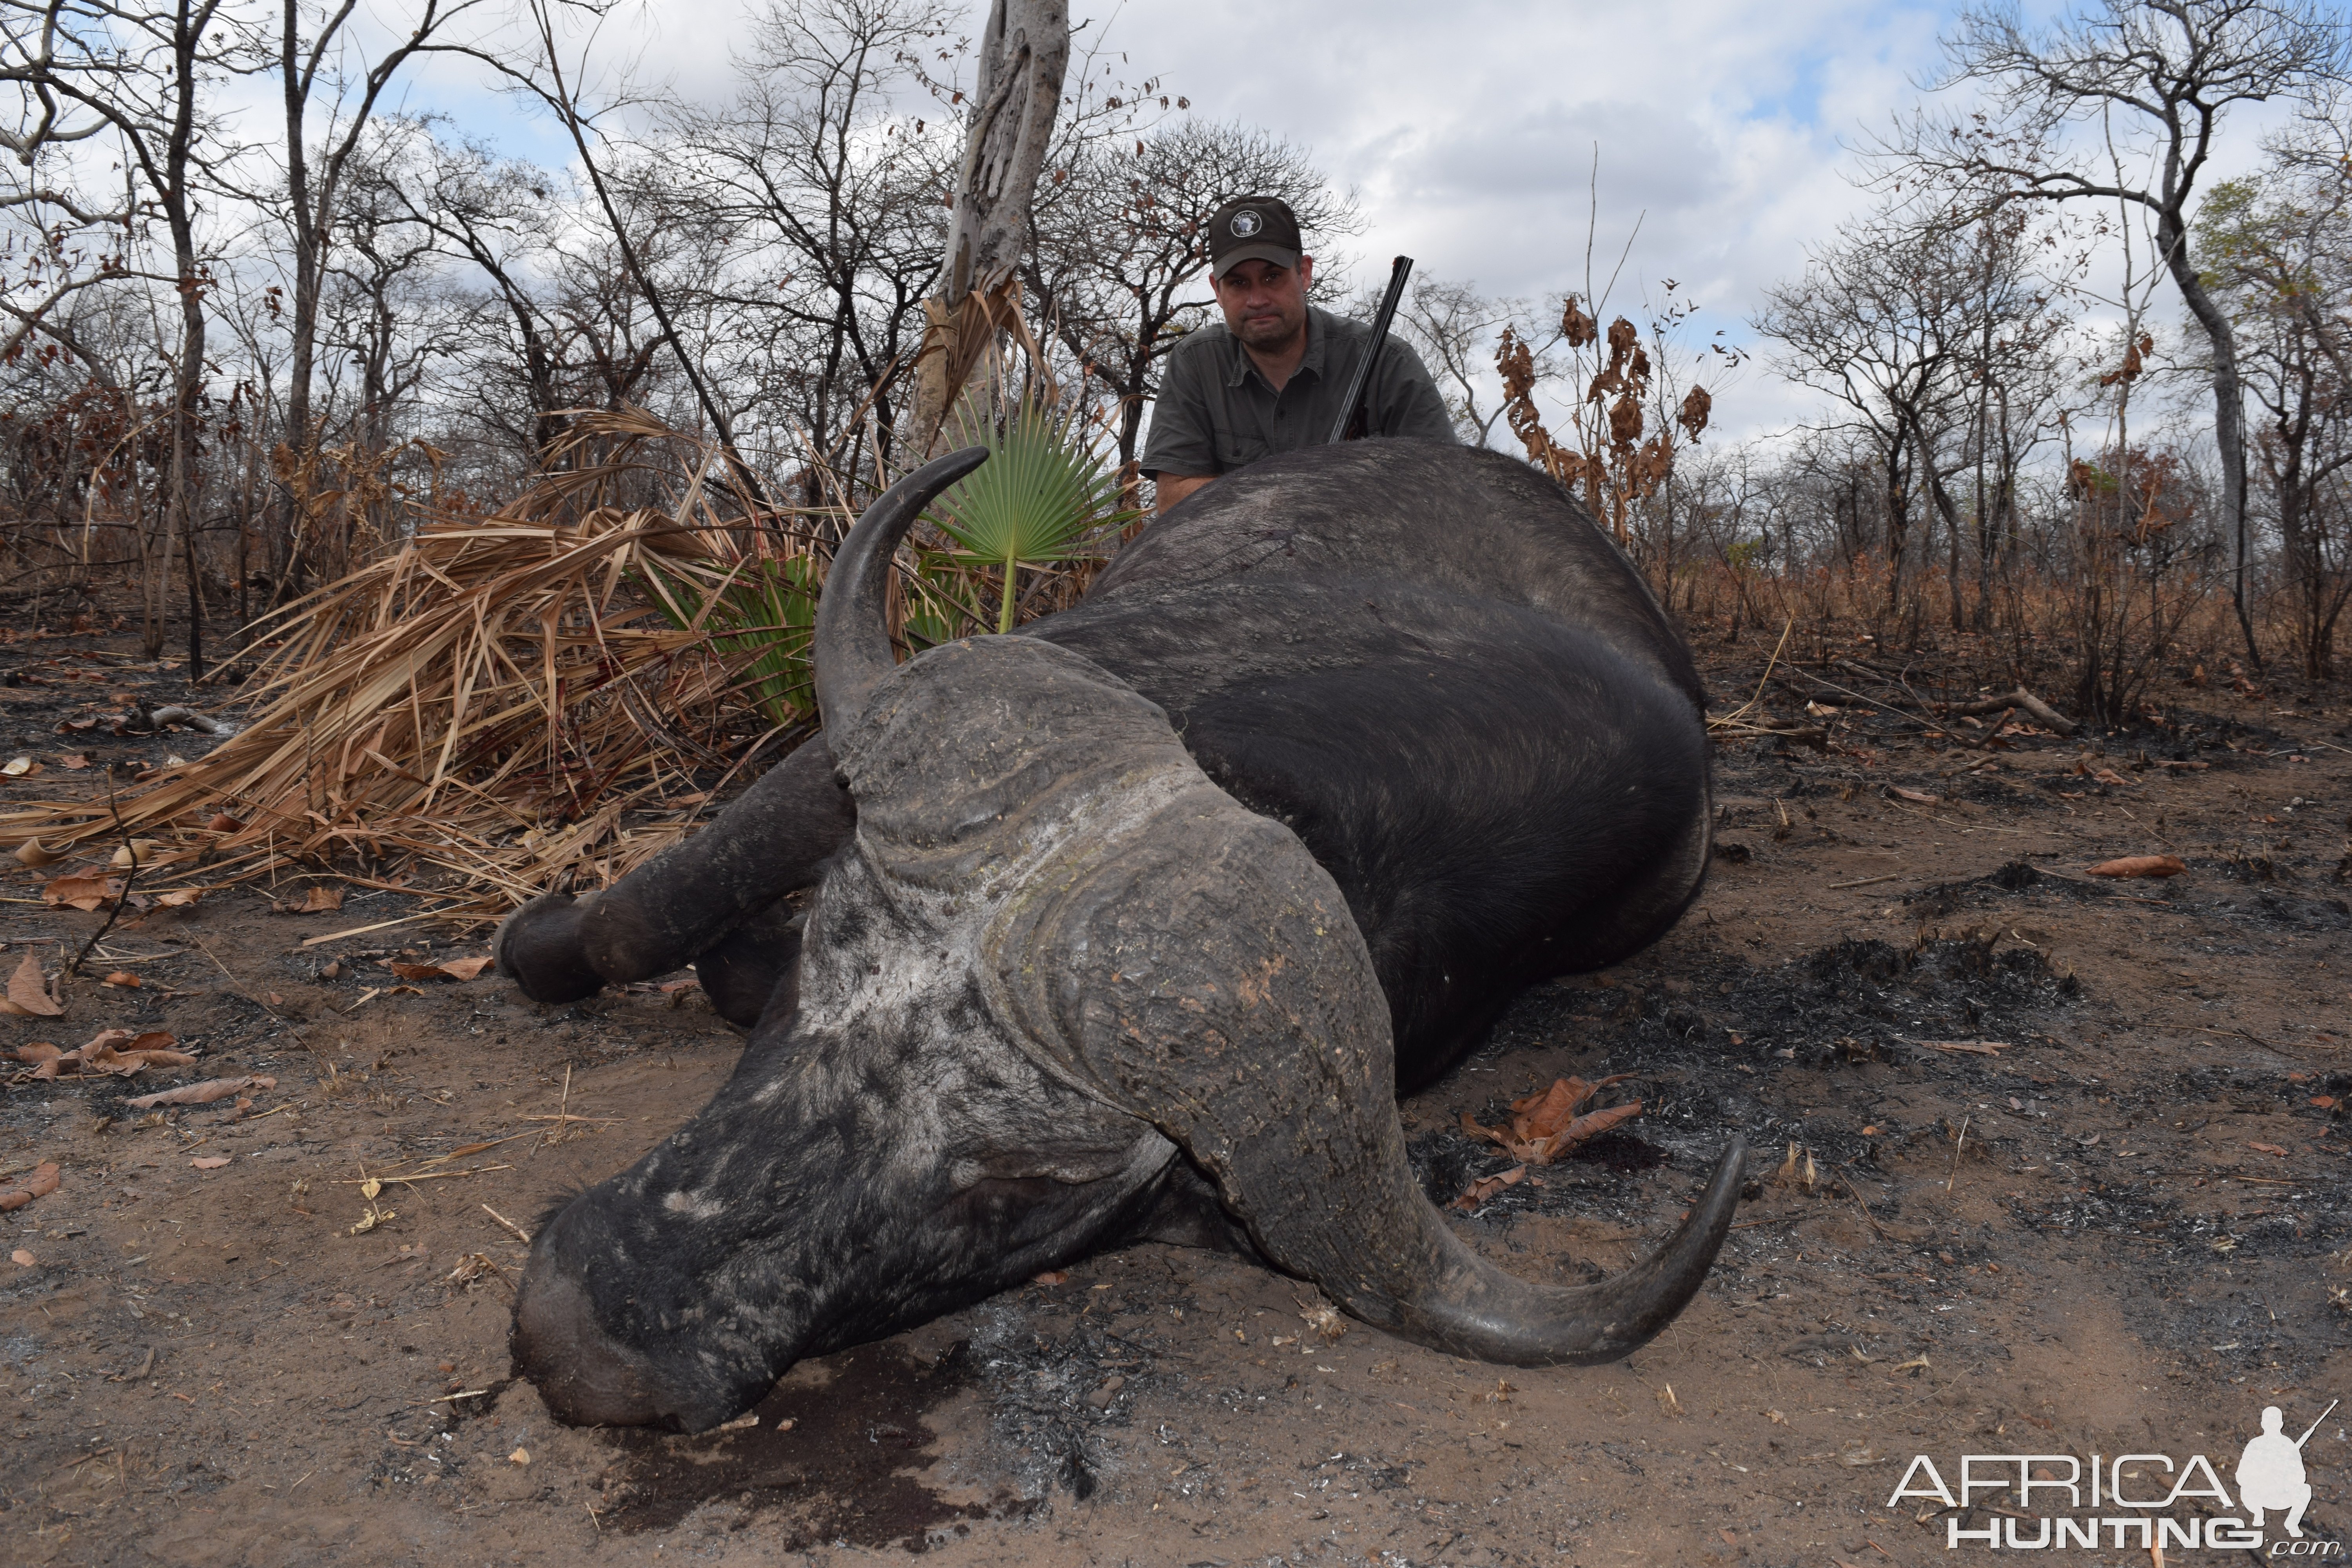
(130, 878)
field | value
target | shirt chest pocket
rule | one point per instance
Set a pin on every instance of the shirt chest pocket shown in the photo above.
(1237, 450)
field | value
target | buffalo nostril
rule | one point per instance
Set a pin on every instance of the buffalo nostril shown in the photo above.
(585, 1378)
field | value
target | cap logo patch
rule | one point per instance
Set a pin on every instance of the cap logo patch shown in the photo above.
(1246, 224)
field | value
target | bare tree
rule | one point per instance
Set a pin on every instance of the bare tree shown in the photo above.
(2159, 77)
(142, 76)
(500, 215)
(1872, 324)
(1453, 327)
(2278, 249)
(1023, 55)
(307, 65)
(829, 200)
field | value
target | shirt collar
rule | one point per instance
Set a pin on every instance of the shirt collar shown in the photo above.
(1240, 367)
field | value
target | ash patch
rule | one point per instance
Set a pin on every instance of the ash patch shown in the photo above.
(826, 1462)
(1850, 1002)
(2016, 877)
(1856, 1000)
(1053, 1400)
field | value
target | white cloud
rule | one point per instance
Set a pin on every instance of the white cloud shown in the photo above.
(1468, 130)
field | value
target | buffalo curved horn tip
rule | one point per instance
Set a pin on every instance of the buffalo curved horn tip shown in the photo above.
(853, 638)
(1482, 1312)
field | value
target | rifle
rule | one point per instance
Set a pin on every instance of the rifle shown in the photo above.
(1354, 417)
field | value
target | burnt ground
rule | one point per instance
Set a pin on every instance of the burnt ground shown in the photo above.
(2125, 1231)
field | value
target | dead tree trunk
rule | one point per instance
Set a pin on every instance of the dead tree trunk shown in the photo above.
(1023, 59)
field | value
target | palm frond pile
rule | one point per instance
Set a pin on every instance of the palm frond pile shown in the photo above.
(503, 700)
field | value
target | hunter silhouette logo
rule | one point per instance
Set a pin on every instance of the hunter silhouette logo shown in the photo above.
(2146, 1503)
(1245, 223)
(2269, 1472)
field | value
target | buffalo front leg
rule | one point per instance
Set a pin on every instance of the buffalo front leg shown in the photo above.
(680, 904)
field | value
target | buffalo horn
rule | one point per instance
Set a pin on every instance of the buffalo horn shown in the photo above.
(853, 636)
(1206, 978)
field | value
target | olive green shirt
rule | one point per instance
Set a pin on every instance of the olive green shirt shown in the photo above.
(1217, 413)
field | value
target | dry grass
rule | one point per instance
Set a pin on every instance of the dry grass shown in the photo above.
(502, 700)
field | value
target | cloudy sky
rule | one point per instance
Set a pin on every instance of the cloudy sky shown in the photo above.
(1469, 129)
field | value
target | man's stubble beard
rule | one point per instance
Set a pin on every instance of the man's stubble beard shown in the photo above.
(1270, 338)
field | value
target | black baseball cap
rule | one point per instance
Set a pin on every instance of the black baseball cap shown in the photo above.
(1253, 228)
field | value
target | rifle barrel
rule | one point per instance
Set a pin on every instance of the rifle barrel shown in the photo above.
(2308, 1431)
(1360, 384)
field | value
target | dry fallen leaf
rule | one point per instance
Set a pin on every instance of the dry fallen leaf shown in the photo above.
(223, 822)
(22, 1259)
(140, 852)
(1920, 797)
(1051, 1277)
(1544, 1125)
(209, 1163)
(2267, 1149)
(121, 977)
(34, 854)
(455, 969)
(117, 1051)
(519, 1456)
(82, 890)
(2141, 866)
(319, 900)
(19, 768)
(28, 993)
(179, 898)
(73, 760)
(1485, 1187)
(202, 1093)
(39, 1185)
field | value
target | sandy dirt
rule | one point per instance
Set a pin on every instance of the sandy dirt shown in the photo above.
(2123, 1232)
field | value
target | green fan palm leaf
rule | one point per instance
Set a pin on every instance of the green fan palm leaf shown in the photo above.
(1045, 495)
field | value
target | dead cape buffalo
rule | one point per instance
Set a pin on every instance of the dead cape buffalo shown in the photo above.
(1132, 926)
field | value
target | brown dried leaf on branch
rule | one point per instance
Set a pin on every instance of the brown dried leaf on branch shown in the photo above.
(1546, 1125)
(29, 992)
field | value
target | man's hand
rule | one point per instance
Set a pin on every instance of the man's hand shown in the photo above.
(1173, 487)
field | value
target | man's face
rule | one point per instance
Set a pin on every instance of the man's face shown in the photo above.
(1264, 305)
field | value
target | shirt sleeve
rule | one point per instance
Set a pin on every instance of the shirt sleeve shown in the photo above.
(1181, 440)
(1408, 402)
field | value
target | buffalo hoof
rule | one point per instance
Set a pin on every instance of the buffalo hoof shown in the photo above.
(538, 948)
